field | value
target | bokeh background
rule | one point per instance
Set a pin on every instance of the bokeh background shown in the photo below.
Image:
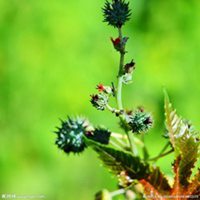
(52, 55)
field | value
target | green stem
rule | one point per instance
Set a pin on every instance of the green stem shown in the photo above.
(111, 109)
(132, 144)
(114, 144)
(124, 137)
(120, 140)
(164, 148)
(161, 155)
(119, 92)
(145, 151)
(121, 64)
(117, 192)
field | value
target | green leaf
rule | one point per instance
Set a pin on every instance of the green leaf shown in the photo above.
(173, 123)
(131, 168)
(118, 161)
(184, 141)
(188, 148)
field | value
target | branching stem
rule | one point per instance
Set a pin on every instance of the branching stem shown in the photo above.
(164, 148)
(119, 91)
(161, 152)
(120, 82)
(120, 136)
(161, 155)
(117, 192)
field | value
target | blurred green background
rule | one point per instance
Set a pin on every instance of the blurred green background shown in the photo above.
(52, 55)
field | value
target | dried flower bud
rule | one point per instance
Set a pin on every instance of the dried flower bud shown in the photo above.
(140, 121)
(127, 78)
(129, 67)
(116, 13)
(116, 43)
(99, 101)
(106, 89)
(100, 87)
(70, 135)
(124, 179)
(119, 44)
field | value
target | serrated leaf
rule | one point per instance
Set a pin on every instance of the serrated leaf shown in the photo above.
(194, 187)
(155, 185)
(177, 187)
(173, 123)
(150, 192)
(189, 151)
(183, 140)
(158, 180)
(118, 161)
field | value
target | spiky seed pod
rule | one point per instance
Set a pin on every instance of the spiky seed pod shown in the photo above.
(100, 135)
(99, 101)
(70, 136)
(116, 13)
(140, 121)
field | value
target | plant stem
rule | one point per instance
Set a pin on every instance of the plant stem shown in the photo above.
(120, 136)
(161, 155)
(161, 152)
(119, 85)
(132, 144)
(120, 140)
(116, 145)
(164, 148)
(119, 92)
(113, 110)
(117, 192)
(145, 151)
